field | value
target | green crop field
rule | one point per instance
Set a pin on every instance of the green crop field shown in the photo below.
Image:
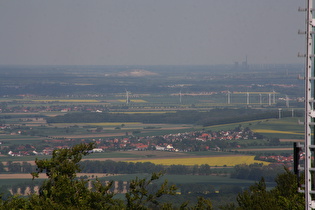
(216, 181)
(10, 182)
(281, 128)
(111, 155)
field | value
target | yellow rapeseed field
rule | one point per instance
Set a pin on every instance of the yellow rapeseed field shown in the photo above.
(138, 101)
(275, 131)
(212, 161)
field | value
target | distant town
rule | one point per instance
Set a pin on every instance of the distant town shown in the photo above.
(180, 142)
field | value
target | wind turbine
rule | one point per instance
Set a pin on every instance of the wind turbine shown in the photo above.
(229, 97)
(287, 101)
(127, 96)
(274, 96)
(280, 113)
(292, 112)
(180, 96)
(247, 94)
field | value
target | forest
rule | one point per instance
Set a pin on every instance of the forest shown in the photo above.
(250, 172)
(206, 118)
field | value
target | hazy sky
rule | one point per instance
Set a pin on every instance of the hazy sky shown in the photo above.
(145, 32)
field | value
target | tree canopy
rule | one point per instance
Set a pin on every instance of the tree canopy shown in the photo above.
(284, 196)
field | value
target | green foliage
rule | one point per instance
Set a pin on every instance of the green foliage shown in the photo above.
(64, 162)
(63, 190)
(283, 196)
(257, 197)
(139, 197)
(203, 204)
(286, 190)
(256, 172)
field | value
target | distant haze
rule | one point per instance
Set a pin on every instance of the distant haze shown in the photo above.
(150, 32)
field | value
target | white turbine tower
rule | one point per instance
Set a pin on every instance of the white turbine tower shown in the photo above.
(180, 96)
(229, 97)
(260, 99)
(127, 97)
(287, 101)
(274, 96)
(292, 112)
(280, 113)
(269, 99)
(247, 96)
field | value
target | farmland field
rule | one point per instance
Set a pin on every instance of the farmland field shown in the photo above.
(134, 101)
(286, 128)
(231, 160)
(290, 149)
(281, 127)
(216, 181)
(263, 131)
(21, 179)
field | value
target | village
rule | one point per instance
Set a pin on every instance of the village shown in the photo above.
(217, 141)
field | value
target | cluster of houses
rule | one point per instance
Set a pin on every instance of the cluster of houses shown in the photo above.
(170, 142)
(280, 158)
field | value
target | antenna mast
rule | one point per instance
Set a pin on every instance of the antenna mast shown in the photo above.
(309, 144)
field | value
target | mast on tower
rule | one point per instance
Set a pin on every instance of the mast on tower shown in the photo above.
(309, 143)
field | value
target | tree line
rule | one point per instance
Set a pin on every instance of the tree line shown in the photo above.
(211, 117)
(112, 167)
(256, 172)
(250, 172)
(16, 167)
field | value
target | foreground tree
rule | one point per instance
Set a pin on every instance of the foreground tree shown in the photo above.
(63, 190)
(284, 196)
